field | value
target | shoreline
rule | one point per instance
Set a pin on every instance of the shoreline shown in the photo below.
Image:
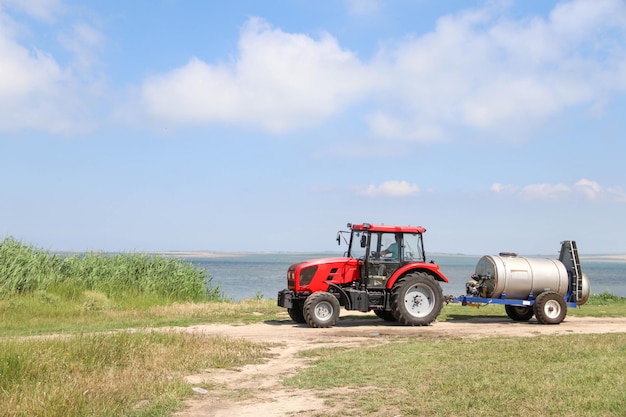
(217, 254)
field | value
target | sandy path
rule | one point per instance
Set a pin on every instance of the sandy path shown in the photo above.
(256, 390)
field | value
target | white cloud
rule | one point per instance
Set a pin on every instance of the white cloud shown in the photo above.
(30, 88)
(477, 69)
(583, 189)
(363, 7)
(279, 81)
(389, 189)
(36, 90)
(45, 10)
(501, 188)
(84, 41)
(480, 70)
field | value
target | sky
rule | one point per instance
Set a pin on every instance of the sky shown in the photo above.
(267, 126)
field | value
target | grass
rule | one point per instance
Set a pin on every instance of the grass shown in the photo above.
(114, 374)
(35, 315)
(69, 371)
(572, 375)
(119, 277)
(141, 373)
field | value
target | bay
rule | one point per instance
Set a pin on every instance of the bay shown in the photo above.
(243, 276)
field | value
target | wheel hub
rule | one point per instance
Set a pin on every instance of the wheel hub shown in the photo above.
(552, 309)
(323, 311)
(418, 302)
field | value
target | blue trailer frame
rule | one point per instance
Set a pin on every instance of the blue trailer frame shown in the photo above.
(469, 300)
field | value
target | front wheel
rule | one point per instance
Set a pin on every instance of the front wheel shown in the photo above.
(296, 312)
(550, 308)
(416, 299)
(321, 309)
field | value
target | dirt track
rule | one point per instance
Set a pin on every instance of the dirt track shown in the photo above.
(256, 390)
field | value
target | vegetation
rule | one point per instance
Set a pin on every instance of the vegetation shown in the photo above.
(40, 314)
(99, 278)
(114, 374)
(571, 375)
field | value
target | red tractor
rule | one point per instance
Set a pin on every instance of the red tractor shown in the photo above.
(384, 270)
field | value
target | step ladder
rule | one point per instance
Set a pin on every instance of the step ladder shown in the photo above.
(569, 258)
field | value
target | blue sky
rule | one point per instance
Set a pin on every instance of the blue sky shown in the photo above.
(267, 126)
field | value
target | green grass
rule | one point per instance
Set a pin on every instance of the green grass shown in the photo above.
(115, 374)
(33, 315)
(572, 375)
(119, 277)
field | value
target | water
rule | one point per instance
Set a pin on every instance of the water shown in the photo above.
(251, 275)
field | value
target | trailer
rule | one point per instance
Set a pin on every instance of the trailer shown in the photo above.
(529, 287)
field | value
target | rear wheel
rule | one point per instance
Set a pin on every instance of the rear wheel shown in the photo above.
(296, 312)
(385, 315)
(321, 309)
(550, 308)
(416, 299)
(518, 313)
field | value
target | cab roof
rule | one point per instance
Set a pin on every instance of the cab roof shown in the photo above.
(386, 228)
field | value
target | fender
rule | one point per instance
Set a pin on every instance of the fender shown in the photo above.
(430, 268)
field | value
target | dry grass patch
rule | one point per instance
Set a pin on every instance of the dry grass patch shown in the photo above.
(247, 311)
(111, 374)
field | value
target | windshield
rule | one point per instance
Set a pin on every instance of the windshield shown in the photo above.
(357, 244)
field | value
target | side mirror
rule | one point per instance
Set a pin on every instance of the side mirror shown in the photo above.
(338, 238)
(363, 241)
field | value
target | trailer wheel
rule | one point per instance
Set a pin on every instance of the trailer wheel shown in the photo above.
(296, 312)
(416, 299)
(321, 309)
(518, 313)
(386, 315)
(550, 308)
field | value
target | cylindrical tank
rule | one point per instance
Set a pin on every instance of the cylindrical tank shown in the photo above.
(519, 277)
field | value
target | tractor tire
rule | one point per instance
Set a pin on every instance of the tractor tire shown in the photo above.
(296, 312)
(416, 299)
(321, 309)
(517, 313)
(386, 315)
(550, 308)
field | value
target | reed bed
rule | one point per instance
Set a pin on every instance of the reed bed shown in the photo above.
(25, 269)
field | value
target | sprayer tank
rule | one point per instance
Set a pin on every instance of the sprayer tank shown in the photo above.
(518, 277)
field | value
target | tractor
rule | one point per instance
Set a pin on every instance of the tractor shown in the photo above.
(384, 270)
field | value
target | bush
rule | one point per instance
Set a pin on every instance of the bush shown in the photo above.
(605, 298)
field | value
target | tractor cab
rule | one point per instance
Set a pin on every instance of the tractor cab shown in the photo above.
(384, 249)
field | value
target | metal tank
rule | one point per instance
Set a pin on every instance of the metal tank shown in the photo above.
(518, 277)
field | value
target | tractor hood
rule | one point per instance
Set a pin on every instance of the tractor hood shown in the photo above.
(316, 274)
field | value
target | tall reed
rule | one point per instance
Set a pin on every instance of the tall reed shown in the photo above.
(25, 269)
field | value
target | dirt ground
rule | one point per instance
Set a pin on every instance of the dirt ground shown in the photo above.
(256, 390)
